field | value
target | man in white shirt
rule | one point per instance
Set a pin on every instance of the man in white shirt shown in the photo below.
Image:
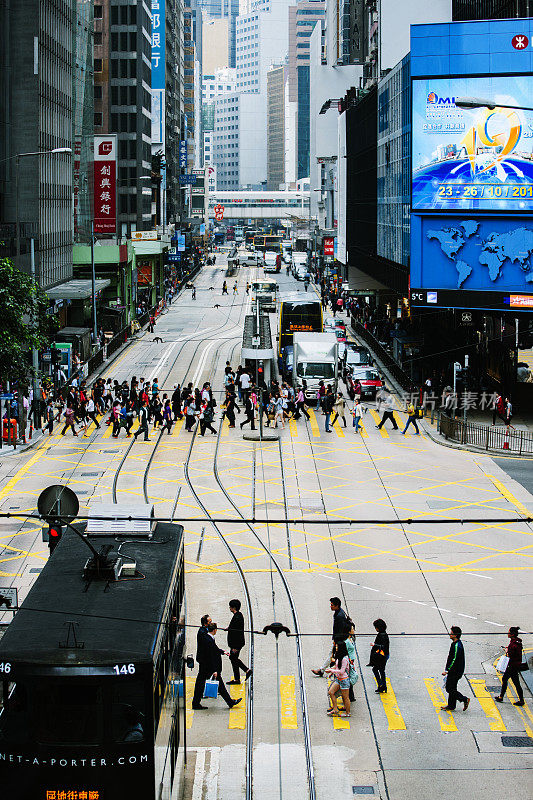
(245, 385)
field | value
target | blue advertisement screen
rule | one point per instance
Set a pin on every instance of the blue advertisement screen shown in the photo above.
(477, 253)
(472, 159)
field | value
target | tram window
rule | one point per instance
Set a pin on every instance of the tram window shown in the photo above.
(68, 713)
(128, 712)
(14, 720)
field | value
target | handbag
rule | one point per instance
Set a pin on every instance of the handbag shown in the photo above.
(502, 664)
(211, 689)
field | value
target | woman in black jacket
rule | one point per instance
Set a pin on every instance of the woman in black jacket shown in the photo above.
(236, 642)
(379, 655)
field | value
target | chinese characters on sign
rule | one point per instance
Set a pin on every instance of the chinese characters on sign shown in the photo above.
(73, 794)
(329, 245)
(105, 184)
(158, 71)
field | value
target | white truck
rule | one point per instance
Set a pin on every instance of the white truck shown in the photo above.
(316, 358)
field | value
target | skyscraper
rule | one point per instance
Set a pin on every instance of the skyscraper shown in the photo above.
(275, 126)
(224, 9)
(36, 74)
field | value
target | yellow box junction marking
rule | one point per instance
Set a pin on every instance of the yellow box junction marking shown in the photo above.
(26, 468)
(446, 720)
(487, 704)
(237, 715)
(392, 709)
(509, 496)
(287, 690)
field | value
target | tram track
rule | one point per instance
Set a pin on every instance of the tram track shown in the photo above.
(291, 602)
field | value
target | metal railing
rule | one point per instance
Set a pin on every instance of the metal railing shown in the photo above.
(486, 437)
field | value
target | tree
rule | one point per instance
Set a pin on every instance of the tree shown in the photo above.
(24, 323)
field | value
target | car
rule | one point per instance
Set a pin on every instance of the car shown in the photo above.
(298, 260)
(250, 260)
(301, 273)
(357, 356)
(370, 380)
(340, 334)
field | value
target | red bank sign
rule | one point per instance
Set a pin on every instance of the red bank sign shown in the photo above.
(105, 184)
(328, 243)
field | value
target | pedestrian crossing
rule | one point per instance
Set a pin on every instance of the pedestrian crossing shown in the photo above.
(314, 429)
(387, 710)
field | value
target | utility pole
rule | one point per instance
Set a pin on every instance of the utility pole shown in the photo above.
(34, 352)
(93, 280)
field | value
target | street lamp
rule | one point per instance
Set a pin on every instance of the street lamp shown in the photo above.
(479, 102)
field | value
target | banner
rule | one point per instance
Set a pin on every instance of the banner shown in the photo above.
(105, 184)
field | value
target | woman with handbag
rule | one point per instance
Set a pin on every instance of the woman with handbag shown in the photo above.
(513, 667)
(379, 655)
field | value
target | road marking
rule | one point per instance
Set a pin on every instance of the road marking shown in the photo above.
(23, 470)
(178, 425)
(338, 430)
(392, 709)
(313, 423)
(468, 616)
(107, 433)
(497, 624)
(477, 575)
(212, 777)
(524, 711)
(189, 713)
(447, 610)
(487, 704)
(446, 720)
(293, 427)
(509, 496)
(399, 422)
(377, 420)
(237, 715)
(198, 785)
(287, 690)
(339, 723)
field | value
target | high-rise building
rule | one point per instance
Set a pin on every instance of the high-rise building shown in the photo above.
(190, 78)
(239, 142)
(213, 86)
(224, 9)
(82, 119)
(302, 19)
(276, 126)
(215, 45)
(37, 76)
(463, 10)
(123, 103)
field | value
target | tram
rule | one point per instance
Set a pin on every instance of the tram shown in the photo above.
(90, 670)
(298, 312)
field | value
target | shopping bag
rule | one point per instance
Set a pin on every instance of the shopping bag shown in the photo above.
(503, 661)
(211, 689)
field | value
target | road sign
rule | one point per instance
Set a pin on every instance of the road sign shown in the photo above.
(7, 396)
(47, 355)
(8, 598)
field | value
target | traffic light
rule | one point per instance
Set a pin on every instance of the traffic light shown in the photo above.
(53, 534)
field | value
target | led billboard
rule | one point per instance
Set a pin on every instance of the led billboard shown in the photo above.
(472, 159)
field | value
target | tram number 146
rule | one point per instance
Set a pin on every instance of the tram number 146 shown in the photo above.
(124, 669)
(5, 667)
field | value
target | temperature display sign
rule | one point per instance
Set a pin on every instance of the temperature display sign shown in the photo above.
(475, 158)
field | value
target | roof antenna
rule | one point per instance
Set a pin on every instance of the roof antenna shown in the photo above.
(72, 640)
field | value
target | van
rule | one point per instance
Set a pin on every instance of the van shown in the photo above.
(266, 292)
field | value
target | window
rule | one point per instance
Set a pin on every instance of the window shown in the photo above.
(98, 65)
(98, 12)
(98, 119)
(67, 713)
(97, 37)
(97, 91)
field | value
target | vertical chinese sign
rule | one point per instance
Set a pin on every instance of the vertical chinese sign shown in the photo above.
(105, 184)
(158, 71)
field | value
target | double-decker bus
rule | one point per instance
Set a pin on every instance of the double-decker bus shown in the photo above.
(298, 313)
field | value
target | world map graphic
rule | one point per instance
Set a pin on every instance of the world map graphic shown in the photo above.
(494, 251)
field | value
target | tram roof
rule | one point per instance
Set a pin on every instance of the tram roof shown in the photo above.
(299, 297)
(107, 613)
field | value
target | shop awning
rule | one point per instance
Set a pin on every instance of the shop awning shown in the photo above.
(77, 290)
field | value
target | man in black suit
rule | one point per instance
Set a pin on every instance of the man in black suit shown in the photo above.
(213, 662)
(201, 659)
(236, 642)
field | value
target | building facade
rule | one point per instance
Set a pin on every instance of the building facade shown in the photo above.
(224, 9)
(276, 127)
(123, 104)
(37, 81)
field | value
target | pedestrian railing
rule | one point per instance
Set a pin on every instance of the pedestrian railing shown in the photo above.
(486, 437)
